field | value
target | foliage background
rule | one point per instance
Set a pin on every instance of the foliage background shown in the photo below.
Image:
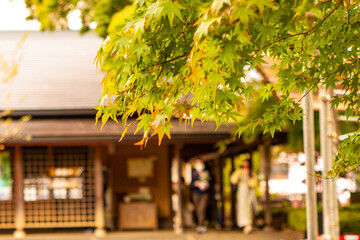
(188, 59)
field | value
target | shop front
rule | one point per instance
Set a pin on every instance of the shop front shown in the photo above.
(73, 175)
(60, 170)
(51, 187)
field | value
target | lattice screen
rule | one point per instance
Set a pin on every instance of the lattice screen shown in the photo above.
(58, 187)
(7, 214)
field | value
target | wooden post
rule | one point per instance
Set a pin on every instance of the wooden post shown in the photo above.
(331, 151)
(333, 142)
(265, 158)
(222, 212)
(335, 207)
(19, 198)
(177, 196)
(218, 193)
(233, 197)
(335, 212)
(179, 188)
(327, 130)
(309, 149)
(99, 200)
(326, 167)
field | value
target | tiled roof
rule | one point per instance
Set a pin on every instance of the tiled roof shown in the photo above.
(57, 71)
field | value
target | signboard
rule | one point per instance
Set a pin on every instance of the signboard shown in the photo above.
(141, 167)
(61, 183)
(5, 176)
(65, 171)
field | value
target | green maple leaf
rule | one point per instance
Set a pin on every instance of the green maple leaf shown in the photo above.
(218, 4)
(171, 10)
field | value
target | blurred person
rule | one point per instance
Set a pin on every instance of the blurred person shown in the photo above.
(200, 187)
(245, 180)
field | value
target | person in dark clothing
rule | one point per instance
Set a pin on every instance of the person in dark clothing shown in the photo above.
(200, 187)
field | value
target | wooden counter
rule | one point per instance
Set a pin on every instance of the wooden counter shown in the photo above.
(138, 215)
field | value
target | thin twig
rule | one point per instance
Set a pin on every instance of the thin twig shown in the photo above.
(175, 58)
(348, 19)
(279, 40)
(317, 82)
(306, 33)
(326, 1)
(330, 13)
(312, 88)
(158, 76)
(267, 81)
(322, 78)
(170, 60)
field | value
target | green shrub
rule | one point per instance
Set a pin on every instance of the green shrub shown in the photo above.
(349, 219)
(296, 219)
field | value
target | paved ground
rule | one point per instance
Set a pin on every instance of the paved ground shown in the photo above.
(165, 235)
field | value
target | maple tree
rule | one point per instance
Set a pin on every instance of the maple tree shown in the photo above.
(188, 59)
(54, 14)
(9, 63)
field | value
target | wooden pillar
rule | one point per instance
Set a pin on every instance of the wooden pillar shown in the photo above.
(19, 198)
(222, 212)
(233, 196)
(335, 143)
(328, 151)
(179, 188)
(218, 193)
(99, 199)
(265, 159)
(309, 149)
(324, 149)
(332, 138)
(334, 203)
(177, 195)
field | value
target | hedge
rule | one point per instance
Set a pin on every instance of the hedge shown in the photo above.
(349, 219)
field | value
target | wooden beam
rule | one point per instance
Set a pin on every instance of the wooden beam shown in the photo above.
(74, 130)
(19, 198)
(206, 156)
(99, 198)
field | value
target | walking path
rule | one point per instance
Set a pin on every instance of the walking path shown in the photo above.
(166, 235)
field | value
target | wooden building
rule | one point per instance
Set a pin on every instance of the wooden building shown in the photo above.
(62, 170)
